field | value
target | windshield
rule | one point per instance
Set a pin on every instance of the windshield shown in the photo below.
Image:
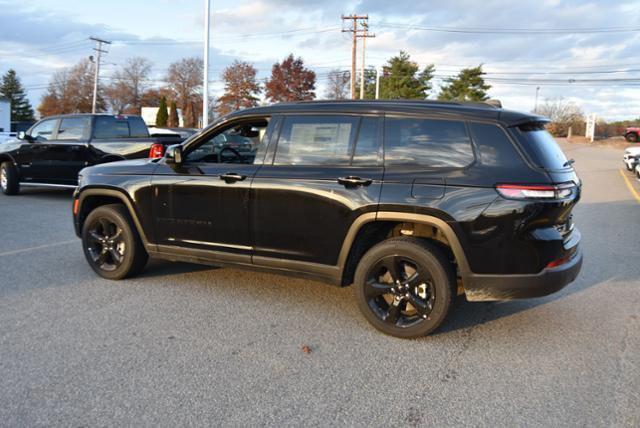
(543, 148)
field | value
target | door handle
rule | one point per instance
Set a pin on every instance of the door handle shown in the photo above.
(232, 177)
(354, 181)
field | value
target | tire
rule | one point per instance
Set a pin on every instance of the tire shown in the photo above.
(111, 243)
(9, 183)
(629, 168)
(388, 305)
(631, 137)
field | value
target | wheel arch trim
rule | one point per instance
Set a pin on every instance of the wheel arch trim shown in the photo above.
(436, 222)
(122, 196)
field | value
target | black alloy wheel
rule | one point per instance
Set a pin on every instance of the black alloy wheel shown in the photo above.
(106, 244)
(405, 286)
(399, 291)
(111, 243)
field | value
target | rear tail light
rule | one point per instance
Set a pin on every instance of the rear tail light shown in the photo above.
(156, 151)
(527, 191)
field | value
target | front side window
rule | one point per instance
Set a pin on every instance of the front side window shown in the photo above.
(316, 140)
(240, 143)
(73, 128)
(43, 130)
(428, 143)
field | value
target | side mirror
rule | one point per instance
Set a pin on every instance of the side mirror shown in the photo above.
(23, 136)
(173, 155)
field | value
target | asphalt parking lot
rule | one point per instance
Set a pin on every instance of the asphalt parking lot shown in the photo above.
(186, 345)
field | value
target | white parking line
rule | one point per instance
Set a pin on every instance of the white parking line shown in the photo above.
(39, 247)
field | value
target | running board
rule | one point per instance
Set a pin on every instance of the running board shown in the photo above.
(59, 186)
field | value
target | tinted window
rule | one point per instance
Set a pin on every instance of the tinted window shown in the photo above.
(542, 147)
(315, 140)
(43, 130)
(110, 127)
(366, 152)
(494, 146)
(426, 142)
(73, 128)
(137, 127)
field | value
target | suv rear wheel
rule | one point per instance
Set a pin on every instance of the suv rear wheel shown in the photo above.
(405, 286)
(111, 243)
(632, 137)
(9, 179)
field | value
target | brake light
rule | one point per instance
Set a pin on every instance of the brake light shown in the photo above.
(517, 191)
(156, 151)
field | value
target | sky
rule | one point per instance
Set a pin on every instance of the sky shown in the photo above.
(585, 52)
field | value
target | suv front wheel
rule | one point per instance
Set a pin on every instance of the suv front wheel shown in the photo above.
(111, 243)
(405, 286)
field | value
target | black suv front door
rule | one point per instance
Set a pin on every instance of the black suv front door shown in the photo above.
(312, 188)
(203, 204)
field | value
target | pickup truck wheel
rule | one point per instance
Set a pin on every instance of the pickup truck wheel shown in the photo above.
(632, 137)
(111, 243)
(9, 179)
(405, 287)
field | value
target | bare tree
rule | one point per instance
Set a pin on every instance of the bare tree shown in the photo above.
(562, 115)
(185, 81)
(71, 91)
(129, 84)
(338, 85)
(241, 89)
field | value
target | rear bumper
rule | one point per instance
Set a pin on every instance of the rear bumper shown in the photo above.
(508, 287)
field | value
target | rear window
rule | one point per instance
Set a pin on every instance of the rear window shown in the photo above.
(542, 147)
(106, 127)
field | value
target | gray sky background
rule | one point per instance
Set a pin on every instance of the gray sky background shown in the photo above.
(592, 56)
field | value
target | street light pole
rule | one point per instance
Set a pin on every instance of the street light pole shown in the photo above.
(535, 106)
(205, 77)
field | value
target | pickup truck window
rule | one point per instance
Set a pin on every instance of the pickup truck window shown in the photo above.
(73, 128)
(107, 127)
(316, 140)
(43, 130)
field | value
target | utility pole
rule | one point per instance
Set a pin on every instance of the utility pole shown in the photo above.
(99, 51)
(354, 30)
(205, 78)
(535, 106)
(365, 34)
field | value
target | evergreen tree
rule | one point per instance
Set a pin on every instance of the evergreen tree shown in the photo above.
(467, 86)
(11, 88)
(173, 121)
(162, 116)
(402, 79)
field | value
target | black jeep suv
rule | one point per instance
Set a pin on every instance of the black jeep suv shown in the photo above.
(412, 202)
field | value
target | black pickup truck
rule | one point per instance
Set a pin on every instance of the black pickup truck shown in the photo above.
(55, 149)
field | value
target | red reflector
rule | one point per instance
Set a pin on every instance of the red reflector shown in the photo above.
(75, 206)
(156, 151)
(558, 262)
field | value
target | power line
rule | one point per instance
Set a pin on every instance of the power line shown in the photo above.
(487, 30)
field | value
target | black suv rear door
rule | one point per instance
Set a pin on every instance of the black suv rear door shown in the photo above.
(314, 184)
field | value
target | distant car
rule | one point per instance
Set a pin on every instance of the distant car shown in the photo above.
(632, 134)
(183, 133)
(631, 157)
(55, 149)
(638, 168)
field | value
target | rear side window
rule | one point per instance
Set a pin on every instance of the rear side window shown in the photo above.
(110, 127)
(137, 127)
(542, 147)
(73, 128)
(316, 140)
(427, 142)
(106, 127)
(494, 146)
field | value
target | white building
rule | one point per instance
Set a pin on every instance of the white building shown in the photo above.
(149, 116)
(5, 114)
